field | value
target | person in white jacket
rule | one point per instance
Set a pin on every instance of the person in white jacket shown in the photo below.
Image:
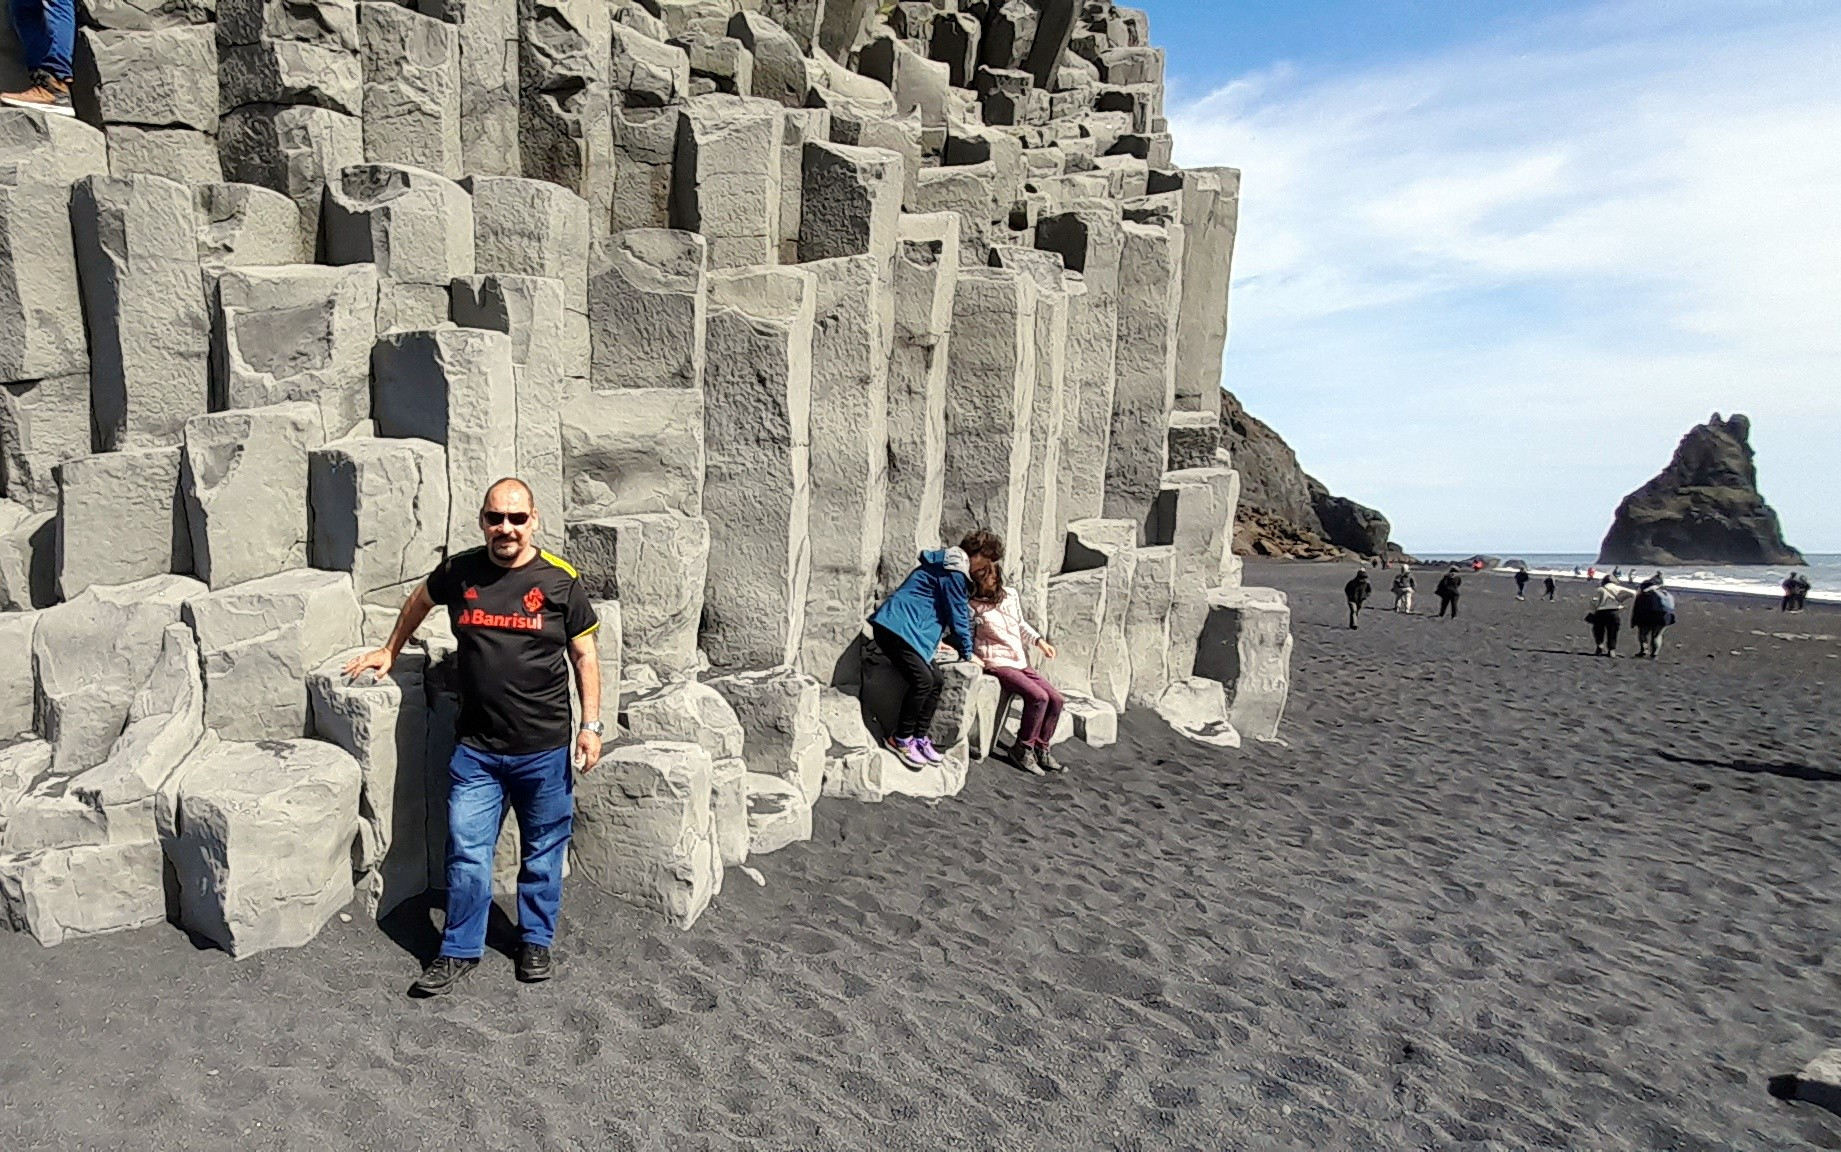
(1605, 617)
(1001, 640)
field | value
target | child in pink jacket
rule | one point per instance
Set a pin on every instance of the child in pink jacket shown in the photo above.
(1002, 641)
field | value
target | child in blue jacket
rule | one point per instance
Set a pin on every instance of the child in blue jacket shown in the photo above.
(935, 599)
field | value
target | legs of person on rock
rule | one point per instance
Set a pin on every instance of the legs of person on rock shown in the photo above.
(923, 696)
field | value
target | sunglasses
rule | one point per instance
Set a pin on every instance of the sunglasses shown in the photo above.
(516, 519)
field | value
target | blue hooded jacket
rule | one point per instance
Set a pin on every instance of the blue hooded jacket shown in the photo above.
(936, 597)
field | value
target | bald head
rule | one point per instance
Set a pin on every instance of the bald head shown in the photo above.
(513, 489)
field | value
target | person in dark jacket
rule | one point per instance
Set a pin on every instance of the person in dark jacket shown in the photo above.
(1521, 583)
(1551, 588)
(1448, 592)
(1651, 613)
(934, 601)
(1357, 591)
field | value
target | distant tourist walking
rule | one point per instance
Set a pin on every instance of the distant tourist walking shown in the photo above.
(520, 618)
(1795, 592)
(1004, 638)
(1651, 612)
(1403, 589)
(1605, 617)
(934, 600)
(1356, 592)
(1448, 593)
(1521, 583)
(1551, 588)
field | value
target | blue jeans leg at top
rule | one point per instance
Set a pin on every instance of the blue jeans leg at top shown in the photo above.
(47, 31)
(541, 789)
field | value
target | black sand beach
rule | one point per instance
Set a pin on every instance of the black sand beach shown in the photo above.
(1494, 894)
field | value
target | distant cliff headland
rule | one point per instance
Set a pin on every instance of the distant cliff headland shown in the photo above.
(1283, 510)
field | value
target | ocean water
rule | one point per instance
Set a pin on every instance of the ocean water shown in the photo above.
(1823, 571)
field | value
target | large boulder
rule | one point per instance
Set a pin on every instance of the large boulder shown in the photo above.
(259, 836)
(67, 893)
(687, 712)
(1704, 508)
(645, 828)
(783, 731)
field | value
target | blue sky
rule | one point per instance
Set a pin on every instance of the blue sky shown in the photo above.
(1495, 258)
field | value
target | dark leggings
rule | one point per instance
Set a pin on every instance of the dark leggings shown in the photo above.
(1446, 601)
(924, 681)
(1605, 626)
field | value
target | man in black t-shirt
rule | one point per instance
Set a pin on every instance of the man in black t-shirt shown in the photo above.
(520, 619)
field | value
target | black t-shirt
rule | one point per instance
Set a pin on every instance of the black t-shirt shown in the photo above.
(513, 627)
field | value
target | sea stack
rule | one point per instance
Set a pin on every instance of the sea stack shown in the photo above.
(1704, 508)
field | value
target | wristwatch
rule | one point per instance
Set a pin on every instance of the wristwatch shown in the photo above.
(595, 726)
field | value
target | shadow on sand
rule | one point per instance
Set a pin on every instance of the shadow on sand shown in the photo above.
(1758, 768)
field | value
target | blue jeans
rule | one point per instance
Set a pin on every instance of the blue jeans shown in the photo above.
(541, 791)
(47, 32)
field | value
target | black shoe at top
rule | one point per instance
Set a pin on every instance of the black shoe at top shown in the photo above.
(441, 976)
(534, 965)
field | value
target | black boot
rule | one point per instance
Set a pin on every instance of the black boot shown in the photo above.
(534, 964)
(442, 976)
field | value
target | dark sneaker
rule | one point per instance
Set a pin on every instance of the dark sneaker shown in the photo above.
(1048, 761)
(1024, 757)
(441, 977)
(533, 962)
(47, 94)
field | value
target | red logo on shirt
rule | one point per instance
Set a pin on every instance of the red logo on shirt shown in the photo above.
(533, 600)
(473, 593)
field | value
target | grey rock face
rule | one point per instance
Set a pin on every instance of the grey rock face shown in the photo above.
(645, 828)
(647, 73)
(380, 512)
(1091, 240)
(245, 486)
(655, 564)
(260, 838)
(1076, 619)
(647, 296)
(137, 254)
(1194, 514)
(1147, 623)
(1150, 304)
(384, 726)
(689, 712)
(330, 23)
(632, 450)
(412, 89)
(926, 274)
(69, 893)
(177, 154)
(757, 386)
(28, 558)
(259, 640)
(455, 387)
(853, 334)
(564, 118)
(16, 685)
(1211, 220)
(779, 73)
(165, 78)
(92, 655)
(850, 202)
(147, 15)
(290, 72)
(297, 332)
(779, 815)
(726, 182)
(489, 88)
(416, 226)
(729, 809)
(783, 729)
(245, 225)
(294, 149)
(645, 142)
(120, 519)
(42, 424)
(1246, 645)
(546, 349)
(990, 391)
(41, 312)
(532, 228)
(1110, 545)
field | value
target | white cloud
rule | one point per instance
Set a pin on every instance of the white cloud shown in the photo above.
(1521, 269)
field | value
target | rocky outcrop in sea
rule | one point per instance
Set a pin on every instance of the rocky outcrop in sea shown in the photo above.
(1704, 508)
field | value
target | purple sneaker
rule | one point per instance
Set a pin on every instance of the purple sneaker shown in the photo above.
(909, 752)
(928, 752)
